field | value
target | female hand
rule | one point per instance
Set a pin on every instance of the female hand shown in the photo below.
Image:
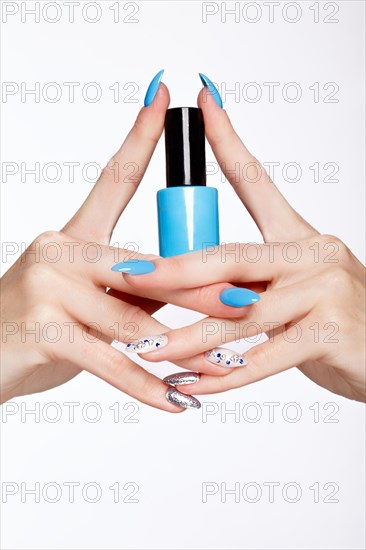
(57, 318)
(312, 289)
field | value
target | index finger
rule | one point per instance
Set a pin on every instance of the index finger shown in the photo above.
(119, 180)
(274, 216)
(226, 263)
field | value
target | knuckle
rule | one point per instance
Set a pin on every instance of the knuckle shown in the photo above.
(114, 364)
(330, 315)
(265, 310)
(131, 317)
(223, 133)
(43, 313)
(223, 383)
(49, 237)
(37, 251)
(144, 131)
(258, 356)
(337, 279)
(171, 268)
(214, 136)
(173, 264)
(327, 238)
(146, 388)
(333, 249)
(38, 275)
(261, 360)
(206, 295)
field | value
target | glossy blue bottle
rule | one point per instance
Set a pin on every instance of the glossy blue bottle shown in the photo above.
(188, 216)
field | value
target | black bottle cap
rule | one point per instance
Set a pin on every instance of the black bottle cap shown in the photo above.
(185, 147)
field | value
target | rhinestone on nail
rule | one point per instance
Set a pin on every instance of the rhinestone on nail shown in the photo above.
(144, 345)
(225, 357)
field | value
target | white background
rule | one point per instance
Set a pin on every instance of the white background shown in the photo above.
(169, 457)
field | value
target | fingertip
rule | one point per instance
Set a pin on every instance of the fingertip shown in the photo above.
(142, 280)
(211, 369)
(163, 96)
(153, 88)
(189, 389)
(150, 120)
(211, 89)
(161, 101)
(207, 103)
(238, 297)
(151, 356)
(157, 278)
(173, 408)
(217, 122)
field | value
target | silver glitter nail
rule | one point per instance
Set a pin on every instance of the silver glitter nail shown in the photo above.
(182, 400)
(182, 378)
(149, 343)
(225, 358)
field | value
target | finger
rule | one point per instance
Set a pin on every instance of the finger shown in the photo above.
(276, 308)
(108, 318)
(114, 367)
(234, 262)
(275, 218)
(150, 306)
(118, 182)
(205, 300)
(197, 363)
(286, 350)
(107, 315)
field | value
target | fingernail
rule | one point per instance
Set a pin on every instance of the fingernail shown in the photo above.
(182, 378)
(182, 400)
(225, 358)
(149, 343)
(211, 88)
(134, 267)
(238, 297)
(153, 88)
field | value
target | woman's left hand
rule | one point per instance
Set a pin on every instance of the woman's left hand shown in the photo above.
(312, 289)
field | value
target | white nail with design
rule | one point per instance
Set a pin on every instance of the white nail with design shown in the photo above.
(149, 343)
(225, 358)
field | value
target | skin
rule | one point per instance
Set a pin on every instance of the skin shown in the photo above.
(72, 291)
(315, 306)
(301, 293)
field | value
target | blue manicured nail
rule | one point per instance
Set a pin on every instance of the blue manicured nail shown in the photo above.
(211, 88)
(153, 88)
(239, 297)
(134, 267)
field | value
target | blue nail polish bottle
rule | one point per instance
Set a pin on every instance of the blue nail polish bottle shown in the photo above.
(187, 210)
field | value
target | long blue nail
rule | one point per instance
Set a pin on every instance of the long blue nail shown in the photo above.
(211, 88)
(134, 267)
(239, 297)
(153, 88)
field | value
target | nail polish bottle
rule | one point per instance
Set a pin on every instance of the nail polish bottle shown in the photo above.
(187, 210)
